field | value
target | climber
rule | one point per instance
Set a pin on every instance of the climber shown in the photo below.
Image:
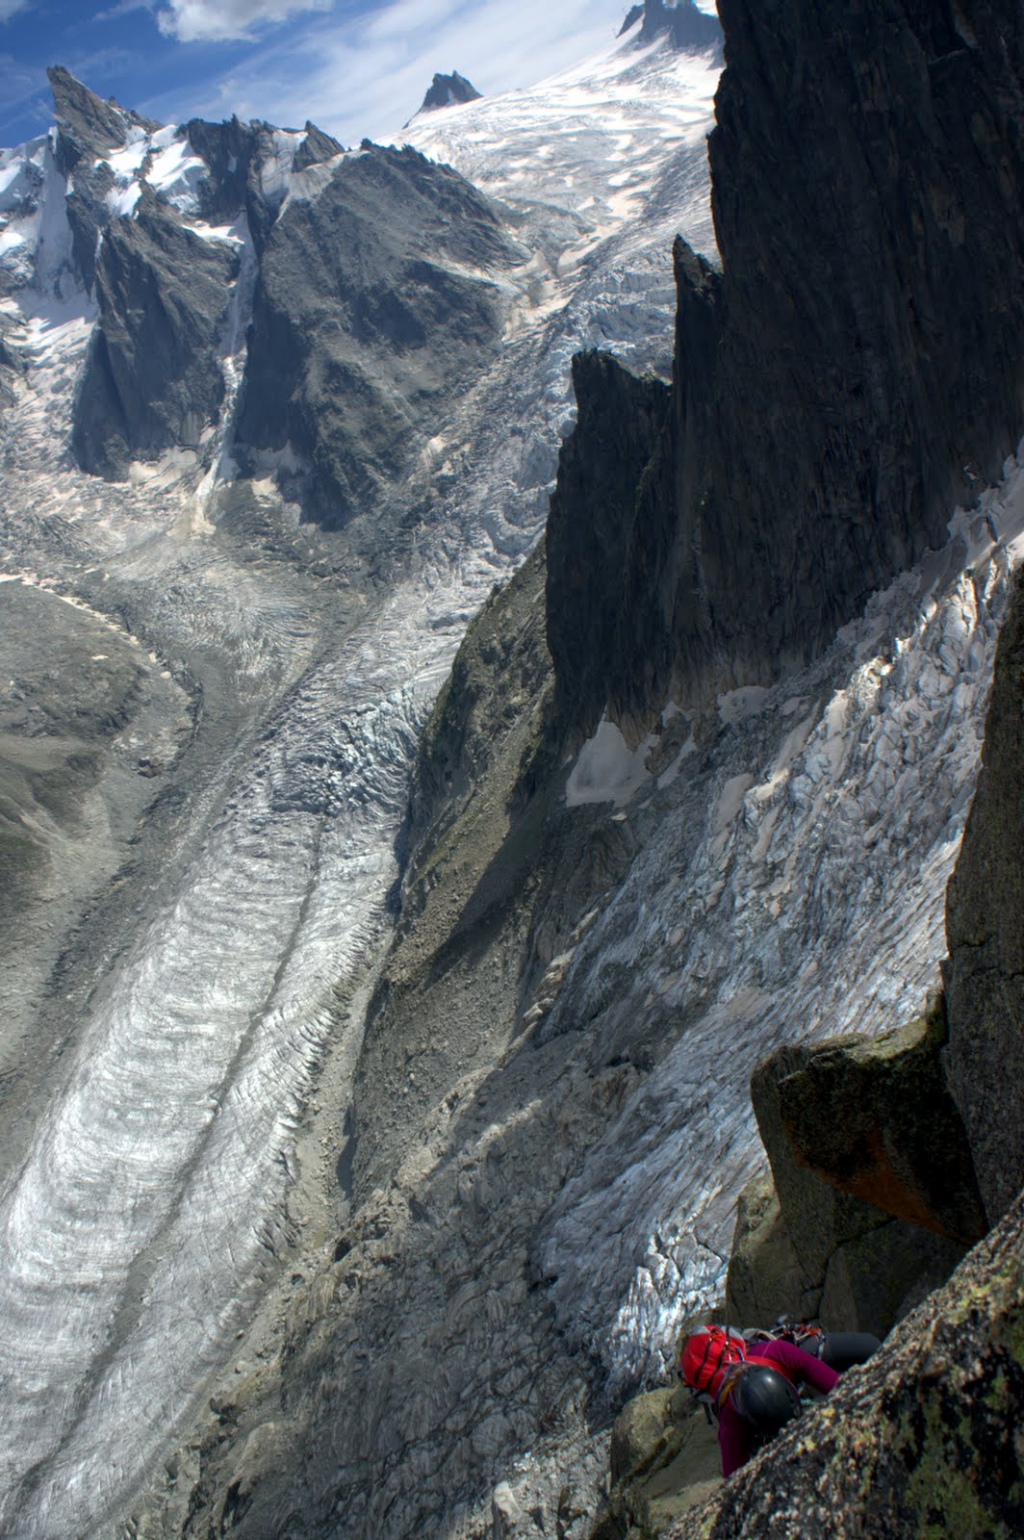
(751, 1379)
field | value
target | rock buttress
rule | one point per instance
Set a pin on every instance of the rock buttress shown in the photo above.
(862, 369)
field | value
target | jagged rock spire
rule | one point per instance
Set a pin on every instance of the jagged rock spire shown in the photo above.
(688, 27)
(88, 125)
(448, 90)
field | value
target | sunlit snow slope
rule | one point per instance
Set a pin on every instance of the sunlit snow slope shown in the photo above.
(150, 1190)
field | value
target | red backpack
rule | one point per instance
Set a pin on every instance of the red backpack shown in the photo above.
(707, 1357)
(711, 1361)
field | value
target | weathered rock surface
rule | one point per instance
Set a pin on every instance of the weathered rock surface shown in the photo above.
(153, 378)
(860, 369)
(924, 1439)
(86, 124)
(237, 155)
(874, 1117)
(985, 933)
(473, 726)
(664, 1461)
(367, 325)
(813, 1249)
(88, 128)
(315, 148)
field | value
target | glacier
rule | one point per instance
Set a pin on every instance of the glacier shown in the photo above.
(144, 1212)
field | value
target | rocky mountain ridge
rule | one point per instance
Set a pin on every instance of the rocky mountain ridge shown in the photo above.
(363, 350)
(682, 21)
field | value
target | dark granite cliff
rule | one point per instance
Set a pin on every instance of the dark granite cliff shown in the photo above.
(152, 380)
(88, 128)
(620, 421)
(362, 332)
(447, 91)
(235, 154)
(855, 369)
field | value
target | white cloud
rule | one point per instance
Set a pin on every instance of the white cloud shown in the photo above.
(8, 8)
(193, 21)
(364, 75)
(362, 71)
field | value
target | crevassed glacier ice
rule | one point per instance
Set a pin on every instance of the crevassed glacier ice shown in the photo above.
(136, 1228)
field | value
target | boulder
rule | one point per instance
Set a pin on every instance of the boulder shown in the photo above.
(874, 1117)
(664, 1460)
(849, 1261)
(984, 975)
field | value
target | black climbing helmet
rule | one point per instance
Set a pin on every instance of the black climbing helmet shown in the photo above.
(766, 1399)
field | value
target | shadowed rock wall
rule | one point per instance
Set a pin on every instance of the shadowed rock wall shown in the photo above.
(598, 470)
(985, 934)
(152, 379)
(860, 369)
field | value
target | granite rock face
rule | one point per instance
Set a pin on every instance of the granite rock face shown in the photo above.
(985, 934)
(363, 331)
(874, 1118)
(237, 155)
(922, 1440)
(153, 379)
(664, 1461)
(87, 125)
(860, 368)
(841, 1122)
(591, 511)
(87, 129)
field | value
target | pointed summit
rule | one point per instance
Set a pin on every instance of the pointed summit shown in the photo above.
(88, 125)
(688, 27)
(449, 91)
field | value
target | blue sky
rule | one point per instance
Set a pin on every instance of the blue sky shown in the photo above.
(356, 68)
